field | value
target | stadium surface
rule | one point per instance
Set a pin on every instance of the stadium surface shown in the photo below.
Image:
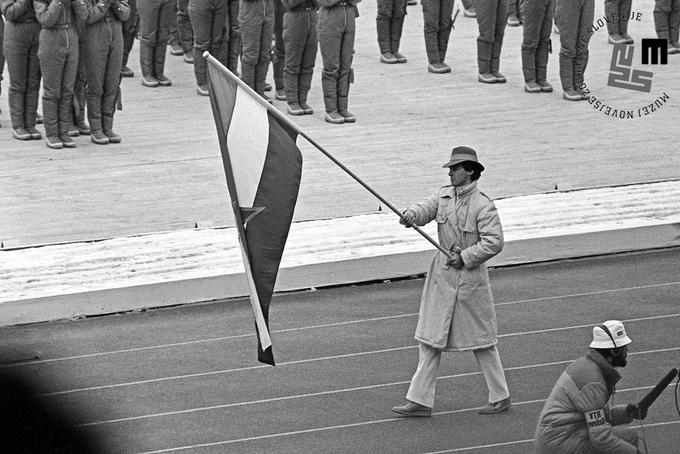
(186, 379)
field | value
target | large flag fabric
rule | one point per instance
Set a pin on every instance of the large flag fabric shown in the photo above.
(263, 166)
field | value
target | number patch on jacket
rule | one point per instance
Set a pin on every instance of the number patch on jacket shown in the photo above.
(595, 418)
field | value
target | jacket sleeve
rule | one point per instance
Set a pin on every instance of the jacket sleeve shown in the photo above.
(490, 234)
(90, 12)
(328, 3)
(426, 210)
(592, 402)
(14, 9)
(48, 12)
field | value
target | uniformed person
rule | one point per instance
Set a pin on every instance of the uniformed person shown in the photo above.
(156, 17)
(336, 30)
(389, 24)
(20, 48)
(574, 19)
(208, 20)
(491, 20)
(103, 54)
(58, 54)
(256, 22)
(538, 21)
(617, 13)
(299, 35)
(437, 29)
(130, 30)
(185, 30)
(667, 23)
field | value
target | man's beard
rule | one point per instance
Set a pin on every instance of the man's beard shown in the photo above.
(619, 361)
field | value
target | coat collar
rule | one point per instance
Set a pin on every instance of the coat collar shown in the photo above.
(460, 192)
(611, 375)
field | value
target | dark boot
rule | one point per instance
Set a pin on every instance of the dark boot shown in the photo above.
(542, 66)
(484, 62)
(432, 47)
(107, 127)
(200, 68)
(260, 78)
(529, 64)
(94, 116)
(66, 121)
(305, 83)
(496, 61)
(383, 28)
(234, 52)
(146, 62)
(50, 109)
(290, 83)
(623, 30)
(16, 110)
(330, 101)
(342, 110)
(443, 42)
(159, 65)
(395, 38)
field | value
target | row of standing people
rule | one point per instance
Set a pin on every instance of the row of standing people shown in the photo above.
(102, 33)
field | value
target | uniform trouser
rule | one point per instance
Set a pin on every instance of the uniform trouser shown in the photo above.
(437, 23)
(103, 48)
(422, 387)
(299, 37)
(2, 54)
(514, 8)
(538, 20)
(79, 87)
(21, 51)
(667, 19)
(617, 13)
(234, 48)
(256, 21)
(573, 18)
(156, 18)
(130, 28)
(279, 54)
(336, 30)
(185, 29)
(58, 55)
(173, 37)
(491, 20)
(467, 4)
(208, 21)
(389, 24)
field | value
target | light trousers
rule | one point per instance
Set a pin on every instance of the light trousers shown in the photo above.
(422, 387)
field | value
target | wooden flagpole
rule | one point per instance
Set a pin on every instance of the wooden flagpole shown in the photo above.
(284, 119)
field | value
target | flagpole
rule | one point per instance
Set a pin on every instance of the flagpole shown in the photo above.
(283, 118)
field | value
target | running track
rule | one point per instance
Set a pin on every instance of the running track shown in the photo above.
(186, 379)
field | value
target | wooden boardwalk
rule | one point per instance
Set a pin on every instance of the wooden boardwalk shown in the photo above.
(167, 173)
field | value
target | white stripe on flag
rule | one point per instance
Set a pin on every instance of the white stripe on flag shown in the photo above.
(247, 141)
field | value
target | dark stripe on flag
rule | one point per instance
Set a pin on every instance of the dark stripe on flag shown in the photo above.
(267, 231)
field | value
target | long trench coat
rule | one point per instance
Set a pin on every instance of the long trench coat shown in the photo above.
(456, 307)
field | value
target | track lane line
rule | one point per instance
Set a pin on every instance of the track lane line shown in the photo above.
(321, 358)
(320, 326)
(338, 391)
(359, 424)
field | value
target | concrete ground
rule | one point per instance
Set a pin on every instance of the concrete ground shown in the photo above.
(186, 379)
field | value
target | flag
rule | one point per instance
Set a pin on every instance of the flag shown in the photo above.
(263, 167)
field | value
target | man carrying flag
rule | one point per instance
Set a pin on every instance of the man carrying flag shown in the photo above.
(263, 167)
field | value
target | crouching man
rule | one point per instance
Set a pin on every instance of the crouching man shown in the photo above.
(576, 417)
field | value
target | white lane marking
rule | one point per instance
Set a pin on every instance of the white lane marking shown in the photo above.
(321, 326)
(359, 424)
(321, 358)
(338, 391)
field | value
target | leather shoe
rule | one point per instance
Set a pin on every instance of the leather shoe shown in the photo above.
(496, 407)
(413, 409)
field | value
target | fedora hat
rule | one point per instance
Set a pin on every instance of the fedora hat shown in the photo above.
(462, 154)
